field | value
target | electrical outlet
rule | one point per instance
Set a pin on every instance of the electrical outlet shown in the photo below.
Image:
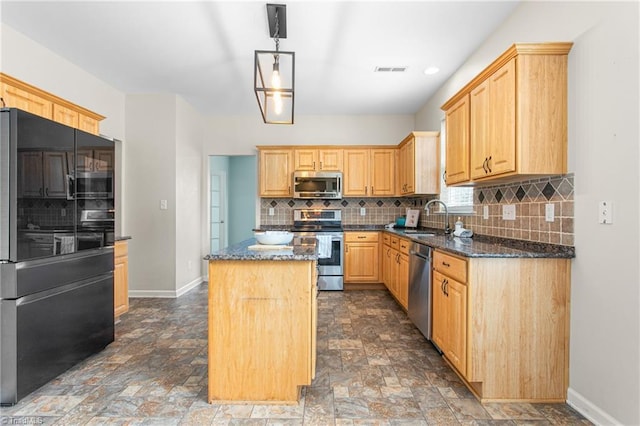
(509, 212)
(549, 212)
(605, 212)
(485, 212)
(363, 211)
(163, 204)
(63, 212)
(272, 211)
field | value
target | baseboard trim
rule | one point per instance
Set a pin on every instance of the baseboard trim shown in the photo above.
(167, 294)
(588, 409)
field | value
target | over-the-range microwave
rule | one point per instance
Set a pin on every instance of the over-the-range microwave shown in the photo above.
(318, 185)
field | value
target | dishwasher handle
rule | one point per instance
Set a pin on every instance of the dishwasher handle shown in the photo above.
(420, 255)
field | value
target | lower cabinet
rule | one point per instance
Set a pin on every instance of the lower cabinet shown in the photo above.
(503, 324)
(395, 264)
(361, 257)
(121, 278)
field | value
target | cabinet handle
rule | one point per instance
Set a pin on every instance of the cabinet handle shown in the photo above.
(484, 165)
(372, 190)
(365, 190)
(46, 192)
(320, 165)
(446, 288)
(314, 165)
(361, 236)
(346, 249)
(40, 192)
(444, 176)
(446, 264)
(488, 166)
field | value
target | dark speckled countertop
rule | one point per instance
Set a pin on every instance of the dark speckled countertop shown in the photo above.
(303, 249)
(478, 246)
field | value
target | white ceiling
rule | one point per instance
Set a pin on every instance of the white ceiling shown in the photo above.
(203, 50)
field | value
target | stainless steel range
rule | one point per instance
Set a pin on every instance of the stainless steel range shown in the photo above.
(325, 223)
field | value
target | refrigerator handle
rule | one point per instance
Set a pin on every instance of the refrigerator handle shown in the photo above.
(71, 194)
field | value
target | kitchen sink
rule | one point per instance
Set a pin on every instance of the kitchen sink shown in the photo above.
(424, 235)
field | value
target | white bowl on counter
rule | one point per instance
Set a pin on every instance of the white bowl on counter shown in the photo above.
(273, 237)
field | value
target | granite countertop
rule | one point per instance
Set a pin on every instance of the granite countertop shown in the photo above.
(122, 237)
(303, 249)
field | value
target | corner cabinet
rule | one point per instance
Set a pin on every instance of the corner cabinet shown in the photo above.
(18, 94)
(511, 112)
(503, 325)
(361, 257)
(275, 168)
(419, 164)
(121, 278)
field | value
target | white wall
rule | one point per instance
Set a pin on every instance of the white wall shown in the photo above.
(150, 153)
(603, 154)
(188, 164)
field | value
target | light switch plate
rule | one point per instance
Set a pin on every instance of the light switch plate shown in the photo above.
(163, 204)
(509, 211)
(549, 212)
(363, 211)
(605, 212)
(272, 211)
(485, 212)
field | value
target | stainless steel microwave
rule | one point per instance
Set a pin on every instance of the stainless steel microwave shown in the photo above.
(90, 185)
(318, 185)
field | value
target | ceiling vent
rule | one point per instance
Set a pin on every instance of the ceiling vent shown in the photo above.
(390, 69)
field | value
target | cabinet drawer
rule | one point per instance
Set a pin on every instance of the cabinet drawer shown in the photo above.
(452, 266)
(404, 245)
(386, 239)
(355, 237)
(394, 242)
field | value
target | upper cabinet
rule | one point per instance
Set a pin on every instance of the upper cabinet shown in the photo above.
(43, 174)
(419, 164)
(18, 94)
(499, 123)
(311, 159)
(369, 172)
(275, 168)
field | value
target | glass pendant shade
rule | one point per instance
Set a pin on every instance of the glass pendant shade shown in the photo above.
(274, 85)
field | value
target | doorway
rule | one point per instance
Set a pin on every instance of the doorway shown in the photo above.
(233, 199)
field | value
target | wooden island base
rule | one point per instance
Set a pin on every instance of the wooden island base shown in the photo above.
(262, 330)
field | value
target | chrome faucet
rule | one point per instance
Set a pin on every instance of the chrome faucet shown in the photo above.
(447, 229)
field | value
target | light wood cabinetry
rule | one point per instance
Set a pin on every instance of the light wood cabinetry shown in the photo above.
(361, 257)
(93, 160)
(419, 164)
(18, 94)
(395, 264)
(275, 171)
(517, 111)
(121, 278)
(369, 172)
(311, 159)
(457, 143)
(261, 317)
(503, 324)
(43, 174)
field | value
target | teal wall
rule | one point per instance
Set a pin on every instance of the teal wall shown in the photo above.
(243, 190)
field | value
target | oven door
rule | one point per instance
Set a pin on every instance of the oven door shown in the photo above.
(333, 265)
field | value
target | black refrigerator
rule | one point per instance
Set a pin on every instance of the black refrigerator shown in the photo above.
(56, 271)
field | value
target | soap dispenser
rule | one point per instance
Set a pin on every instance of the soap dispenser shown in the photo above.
(458, 225)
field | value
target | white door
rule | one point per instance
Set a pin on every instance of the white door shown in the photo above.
(218, 210)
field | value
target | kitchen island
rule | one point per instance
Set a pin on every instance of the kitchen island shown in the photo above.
(262, 323)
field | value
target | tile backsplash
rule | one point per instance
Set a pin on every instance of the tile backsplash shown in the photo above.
(529, 198)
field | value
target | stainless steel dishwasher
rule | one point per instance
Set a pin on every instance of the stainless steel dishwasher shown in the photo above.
(420, 298)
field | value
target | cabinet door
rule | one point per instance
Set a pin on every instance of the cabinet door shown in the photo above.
(356, 172)
(361, 262)
(275, 172)
(84, 160)
(479, 131)
(502, 113)
(457, 143)
(439, 326)
(387, 267)
(88, 124)
(402, 285)
(55, 173)
(65, 116)
(30, 179)
(382, 172)
(407, 161)
(330, 160)
(18, 98)
(121, 285)
(305, 159)
(456, 294)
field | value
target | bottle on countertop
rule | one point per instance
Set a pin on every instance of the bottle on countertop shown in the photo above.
(458, 225)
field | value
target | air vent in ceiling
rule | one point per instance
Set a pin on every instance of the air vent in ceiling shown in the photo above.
(391, 69)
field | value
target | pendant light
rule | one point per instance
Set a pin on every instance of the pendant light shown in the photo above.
(274, 72)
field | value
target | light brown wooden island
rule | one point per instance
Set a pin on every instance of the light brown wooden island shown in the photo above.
(262, 323)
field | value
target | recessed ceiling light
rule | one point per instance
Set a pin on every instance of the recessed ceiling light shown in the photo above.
(431, 70)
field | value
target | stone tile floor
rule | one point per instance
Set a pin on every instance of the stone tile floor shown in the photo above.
(374, 368)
